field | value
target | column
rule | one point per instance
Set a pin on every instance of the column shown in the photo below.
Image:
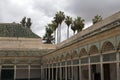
(52, 72)
(14, 72)
(101, 64)
(89, 67)
(49, 73)
(28, 72)
(41, 72)
(65, 70)
(60, 72)
(80, 69)
(0, 71)
(56, 71)
(72, 68)
(117, 57)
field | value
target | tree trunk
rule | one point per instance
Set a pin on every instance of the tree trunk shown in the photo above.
(55, 37)
(57, 34)
(73, 32)
(68, 32)
(60, 33)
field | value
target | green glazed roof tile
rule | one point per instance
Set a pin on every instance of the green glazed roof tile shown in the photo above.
(16, 30)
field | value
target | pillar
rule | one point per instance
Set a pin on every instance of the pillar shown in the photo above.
(41, 72)
(72, 68)
(89, 67)
(56, 71)
(80, 69)
(49, 73)
(66, 70)
(14, 72)
(28, 72)
(52, 72)
(101, 65)
(0, 71)
(60, 72)
(117, 57)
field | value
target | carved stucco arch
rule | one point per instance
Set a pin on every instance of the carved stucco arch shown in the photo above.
(47, 61)
(57, 59)
(75, 55)
(51, 61)
(119, 46)
(83, 52)
(93, 50)
(62, 58)
(54, 60)
(107, 46)
(68, 56)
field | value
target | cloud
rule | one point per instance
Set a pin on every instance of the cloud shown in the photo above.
(42, 11)
(89, 8)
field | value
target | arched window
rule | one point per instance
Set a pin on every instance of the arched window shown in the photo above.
(107, 46)
(68, 57)
(93, 50)
(83, 52)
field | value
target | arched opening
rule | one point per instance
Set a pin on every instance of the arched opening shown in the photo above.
(109, 68)
(119, 46)
(93, 50)
(57, 59)
(83, 52)
(84, 68)
(54, 60)
(107, 46)
(75, 58)
(69, 69)
(67, 57)
(75, 55)
(62, 58)
(46, 61)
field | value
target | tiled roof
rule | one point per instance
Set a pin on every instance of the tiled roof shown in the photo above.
(16, 30)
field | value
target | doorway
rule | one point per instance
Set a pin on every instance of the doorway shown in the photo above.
(106, 68)
(95, 72)
(110, 71)
(7, 74)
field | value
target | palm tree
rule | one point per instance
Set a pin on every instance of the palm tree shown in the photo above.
(53, 27)
(23, 22)
(79, 23)
(96, 19)
(49, 39)
(73, 27)
(68, 21)
(59, 18)
(28, 23)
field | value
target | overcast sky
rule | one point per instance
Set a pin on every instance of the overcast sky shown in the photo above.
(42, 11)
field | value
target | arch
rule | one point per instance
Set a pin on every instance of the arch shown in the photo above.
(67, 57)
(47, 61)
(75, 55)
(93, 50)
(57, 59)
(119, 46)
(107, 46)
(50, 60)
(83, 52)
(53, 60)
(62, 58)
